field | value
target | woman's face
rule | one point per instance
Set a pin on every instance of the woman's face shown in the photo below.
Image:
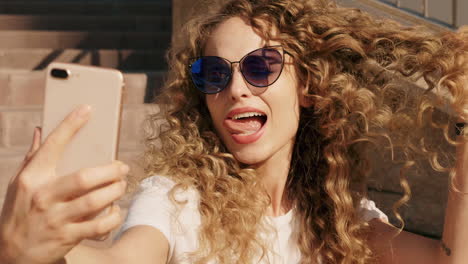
(252, 140)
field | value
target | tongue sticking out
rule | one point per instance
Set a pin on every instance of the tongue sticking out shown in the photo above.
(245, 125)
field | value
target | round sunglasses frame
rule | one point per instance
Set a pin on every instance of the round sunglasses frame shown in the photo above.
(241, 68)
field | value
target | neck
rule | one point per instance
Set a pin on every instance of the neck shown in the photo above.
(274, 174)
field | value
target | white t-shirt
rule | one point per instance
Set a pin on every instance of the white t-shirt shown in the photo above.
(152, 207)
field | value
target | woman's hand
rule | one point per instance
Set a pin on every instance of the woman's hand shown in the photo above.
(45, 215)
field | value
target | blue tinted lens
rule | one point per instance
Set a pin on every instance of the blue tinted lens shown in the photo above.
(210, 74)
(262, 67)
(256, 68)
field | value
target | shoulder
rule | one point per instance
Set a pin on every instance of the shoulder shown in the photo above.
(163, 187)
(159, 202)
(406, 247)
(367, 210)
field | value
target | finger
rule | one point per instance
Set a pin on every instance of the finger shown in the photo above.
(106, 210)
(100, 238)
(86, 180)
(36, 142)
(113, 209)
(67, 188)
(49, 153)
(32, 149)
(110, 210)
(91, 203)
(37, 139)
(95, 228)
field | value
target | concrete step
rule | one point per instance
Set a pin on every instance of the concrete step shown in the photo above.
(83, 40)
(26, 88)
(424, 212)
(405, 17)
(17, 125)
(152, 8)
(86, 23)
(127, 60)
(422, 216)
(421, 177)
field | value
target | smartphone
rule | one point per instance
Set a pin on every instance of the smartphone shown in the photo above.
(70, 85)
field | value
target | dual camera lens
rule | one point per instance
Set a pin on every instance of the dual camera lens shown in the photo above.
(59, 73)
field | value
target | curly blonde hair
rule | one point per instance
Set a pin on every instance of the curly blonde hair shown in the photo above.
(353, 68)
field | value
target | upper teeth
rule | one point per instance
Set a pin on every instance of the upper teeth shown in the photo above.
(249, 114)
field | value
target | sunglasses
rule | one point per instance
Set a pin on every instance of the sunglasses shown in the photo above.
(260, 68)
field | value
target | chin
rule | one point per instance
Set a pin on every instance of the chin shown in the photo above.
(247, 161)
(251, 158)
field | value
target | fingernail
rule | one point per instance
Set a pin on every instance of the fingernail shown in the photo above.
(124, 168)
(113, 208)
(83, 111)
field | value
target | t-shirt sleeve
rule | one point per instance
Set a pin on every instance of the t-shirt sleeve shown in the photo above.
(368, 211)
(151, 206)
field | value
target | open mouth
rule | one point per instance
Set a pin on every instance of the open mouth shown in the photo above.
(246, 124)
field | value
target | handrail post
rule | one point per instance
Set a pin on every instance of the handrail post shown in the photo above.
(454, 13)
(426, 8)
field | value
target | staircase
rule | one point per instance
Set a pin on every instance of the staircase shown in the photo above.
(132, 35)
(129, 35)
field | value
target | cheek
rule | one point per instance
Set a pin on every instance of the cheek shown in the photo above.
(289, 100)
(210, 104)
(214, 110)
(290, 112)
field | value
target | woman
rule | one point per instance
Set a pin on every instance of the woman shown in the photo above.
(271, 108)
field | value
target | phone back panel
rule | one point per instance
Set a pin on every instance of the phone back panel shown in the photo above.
(97, 142)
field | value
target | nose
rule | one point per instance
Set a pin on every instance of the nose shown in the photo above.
(238, 87)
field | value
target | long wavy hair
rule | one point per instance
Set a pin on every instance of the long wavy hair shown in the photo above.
(357, 73)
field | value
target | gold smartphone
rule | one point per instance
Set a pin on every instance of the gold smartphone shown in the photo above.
(67, 87)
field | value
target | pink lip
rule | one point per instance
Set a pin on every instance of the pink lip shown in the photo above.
(240, 139)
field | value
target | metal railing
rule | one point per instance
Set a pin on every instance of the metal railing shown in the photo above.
(444, 12)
